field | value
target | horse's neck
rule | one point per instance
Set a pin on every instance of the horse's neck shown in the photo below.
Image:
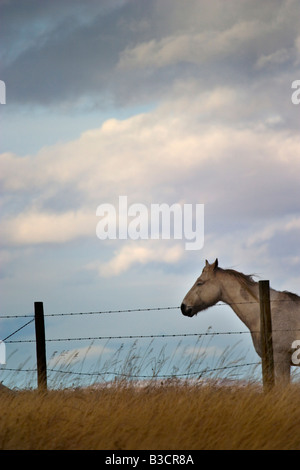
(244, 301)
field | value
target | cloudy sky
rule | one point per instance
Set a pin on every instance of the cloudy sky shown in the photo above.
(163, 101)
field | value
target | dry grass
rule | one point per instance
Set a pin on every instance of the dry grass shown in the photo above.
(169, 417)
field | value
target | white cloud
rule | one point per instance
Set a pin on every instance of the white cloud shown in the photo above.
(77, 355)
(145, 149)
(34, 227)
(194, 47)
(140, 253)
(276, 58)
(166, 155)
(203, 351)
(293, 224)
(297, 46)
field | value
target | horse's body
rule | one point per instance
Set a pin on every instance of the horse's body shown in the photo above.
(241, 292)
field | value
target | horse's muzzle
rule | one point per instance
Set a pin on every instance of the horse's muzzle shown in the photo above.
(187, 311)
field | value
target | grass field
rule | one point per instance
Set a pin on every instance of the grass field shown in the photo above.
(165, 417)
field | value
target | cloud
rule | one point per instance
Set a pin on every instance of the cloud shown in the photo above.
(283, 225)
(279, 57)
(141, 148)
(138, 254)
(77, 355)
(297, 46)
(165, 155)
(60, 57)
(203, 351)
(31, 228)
(43, 66)
(223, 131)
(194, 48)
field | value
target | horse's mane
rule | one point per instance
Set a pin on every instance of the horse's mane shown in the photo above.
(292, 296)
(247, 280)
(244, 279)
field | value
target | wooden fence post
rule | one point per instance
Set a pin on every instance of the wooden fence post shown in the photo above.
(40, 345)
(267, 359)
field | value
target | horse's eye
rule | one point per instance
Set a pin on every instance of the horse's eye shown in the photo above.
(200, 283)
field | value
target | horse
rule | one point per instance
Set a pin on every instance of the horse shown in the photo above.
(241, 292)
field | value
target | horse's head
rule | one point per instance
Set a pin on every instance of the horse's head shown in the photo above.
(205, 292)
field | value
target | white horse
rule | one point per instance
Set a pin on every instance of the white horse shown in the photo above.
(241, 292)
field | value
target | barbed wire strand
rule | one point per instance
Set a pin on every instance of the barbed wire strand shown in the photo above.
(129, 337)
(15, 316)
(167, 335)
(16, 331)
(220, 304)
(123, 374)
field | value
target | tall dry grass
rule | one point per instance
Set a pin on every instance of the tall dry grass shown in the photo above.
(167, 417)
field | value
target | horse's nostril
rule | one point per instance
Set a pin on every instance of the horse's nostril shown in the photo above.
(186, 310)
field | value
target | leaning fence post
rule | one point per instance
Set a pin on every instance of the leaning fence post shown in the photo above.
(267, 359)
(40, 345)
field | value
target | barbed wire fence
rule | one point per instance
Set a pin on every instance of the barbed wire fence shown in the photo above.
(122, 373)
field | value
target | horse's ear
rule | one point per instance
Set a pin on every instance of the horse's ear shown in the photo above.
(206, 263)
(215, 265)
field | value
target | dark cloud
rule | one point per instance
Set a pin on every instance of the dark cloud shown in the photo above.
(58, 58)
(64, 52)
